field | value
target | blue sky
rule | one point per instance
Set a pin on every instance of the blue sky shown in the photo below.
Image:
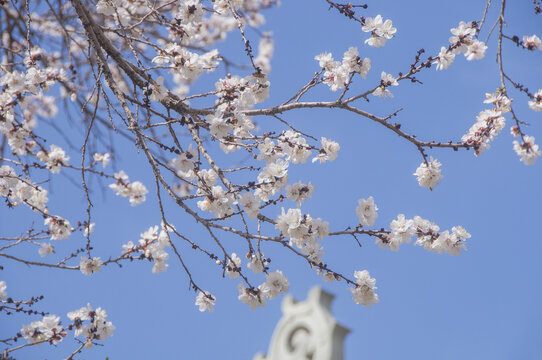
(482, 304)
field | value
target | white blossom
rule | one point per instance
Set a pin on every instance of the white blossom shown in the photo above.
(250, 204)
(532, 42)
(219, 202)
(268, 151)
(137, 193)
(253, 298)
(536, 103)
(209, 176)
(46, 249)
(329, 151)
(425, 231)
(299, 192)
(218, 126)
(429, 174)
(233, 266)
(257, 263)
(158, 90)
(205, 301)
(445, 58)
(265, 53)
(325, 61)
(102, 158)
(386, 81)
(528, 151)
(8, 180)
(184, 163)
(89, 229)
(190, 11)
(31, 332)
(276, 284)
(58, 227)
(353, 63)
(3, 287)
(366, 211)
(272, 178)
(450, 243)
(90, 266)
(364, 293)
(476, 50)
(515, 131)
(462, 36)
(500, 101)
(152, 244)
(54, 159)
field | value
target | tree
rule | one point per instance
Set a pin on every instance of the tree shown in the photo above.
(178, 92)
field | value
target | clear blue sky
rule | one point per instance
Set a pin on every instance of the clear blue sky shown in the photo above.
(484, 304)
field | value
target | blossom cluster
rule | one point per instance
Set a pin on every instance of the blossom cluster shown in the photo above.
(88, 323)
(272, 179)
(265, 54)
(489, 123)
(290, 147)
(184, 165)
(427, 234)
(463, 42)
(276, 283)
(135, 191)
(528, 151)
(123, 11)
(294, 148)
(152, 246)
(47, 329)
(194, 26)
(26, 90)
(364, 291)
(431, 239)
(17, 190)
(97, 328)
(337, 74)
(303, 232)
(429, 173)
(381, 31)
(186, 66)
(228, 124)
(58, 227)
(402, 230)
(217, 201)
(183, 48)
(235, 94)
(54, 159)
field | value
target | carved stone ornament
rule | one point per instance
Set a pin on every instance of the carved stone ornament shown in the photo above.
(307, 330)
